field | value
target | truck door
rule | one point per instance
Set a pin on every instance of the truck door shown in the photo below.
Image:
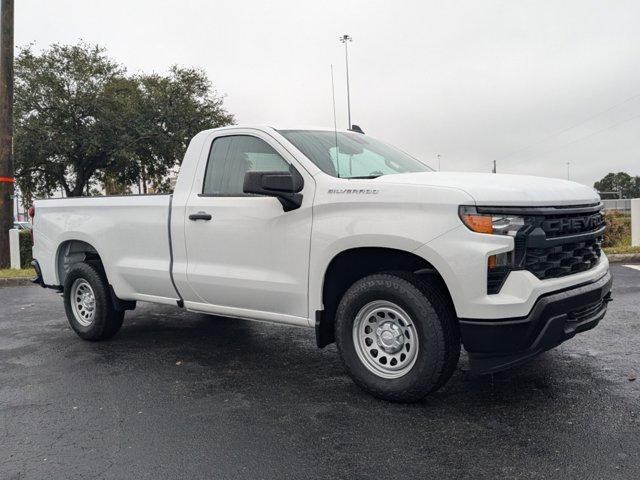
(246, 256)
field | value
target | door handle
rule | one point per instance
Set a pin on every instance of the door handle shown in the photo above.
(200, 216)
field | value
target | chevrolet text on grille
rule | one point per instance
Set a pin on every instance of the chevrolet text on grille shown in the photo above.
(576, 223)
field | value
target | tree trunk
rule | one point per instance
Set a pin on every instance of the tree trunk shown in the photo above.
(109, 185)
(78, 188)
(143, 176)
(112, 186)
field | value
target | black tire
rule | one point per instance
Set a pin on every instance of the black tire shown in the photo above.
(435, 323)
(106, 320)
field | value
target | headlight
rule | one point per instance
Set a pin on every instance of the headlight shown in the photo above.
(496, 224)
(498, 265)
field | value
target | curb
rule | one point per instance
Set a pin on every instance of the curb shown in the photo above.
(624, 257)
(15, 282)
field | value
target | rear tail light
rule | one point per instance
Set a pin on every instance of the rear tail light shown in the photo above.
(32, 215)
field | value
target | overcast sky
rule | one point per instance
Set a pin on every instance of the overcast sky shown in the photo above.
(472, 81)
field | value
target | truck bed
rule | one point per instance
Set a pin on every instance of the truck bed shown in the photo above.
(130, 233)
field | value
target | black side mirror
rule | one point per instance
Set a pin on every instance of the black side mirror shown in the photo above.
(286, 186)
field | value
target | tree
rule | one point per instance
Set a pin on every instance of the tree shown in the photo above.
(62, 105)
(165, 113)
(80, 120)
(622, 182)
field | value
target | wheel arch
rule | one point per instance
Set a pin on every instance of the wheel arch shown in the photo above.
(350, 265)
(73, 251)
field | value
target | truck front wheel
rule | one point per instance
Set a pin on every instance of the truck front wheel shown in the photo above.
(88, 305)
(397, 336)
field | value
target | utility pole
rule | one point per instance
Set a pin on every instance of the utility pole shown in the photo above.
(346, 39)
(439, 162)
(568, 163)
(495, 167)
(6, 129)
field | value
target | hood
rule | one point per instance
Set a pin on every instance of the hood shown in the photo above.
(502, 189)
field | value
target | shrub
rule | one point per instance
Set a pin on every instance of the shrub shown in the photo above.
(618, 231)
(26, 244)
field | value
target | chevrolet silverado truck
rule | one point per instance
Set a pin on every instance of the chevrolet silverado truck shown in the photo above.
(397, 264)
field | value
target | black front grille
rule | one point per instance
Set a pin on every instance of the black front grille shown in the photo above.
(564, 259)
(563, 242)
(555, 241)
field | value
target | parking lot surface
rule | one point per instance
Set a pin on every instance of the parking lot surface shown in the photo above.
(181, 395)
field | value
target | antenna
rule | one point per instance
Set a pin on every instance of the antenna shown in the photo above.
(335, 123)
(345, 39)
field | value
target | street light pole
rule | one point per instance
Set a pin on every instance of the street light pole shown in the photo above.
(346, 39)
(6, 129)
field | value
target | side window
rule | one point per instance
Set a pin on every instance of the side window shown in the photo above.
(215, 166)
(231, 157)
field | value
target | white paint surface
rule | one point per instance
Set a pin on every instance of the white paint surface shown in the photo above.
(14, 248)
(635, 222)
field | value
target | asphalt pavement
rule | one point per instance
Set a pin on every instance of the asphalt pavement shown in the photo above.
(177, 395)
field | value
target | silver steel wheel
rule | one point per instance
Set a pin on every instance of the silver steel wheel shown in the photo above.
(83, 302)
(385, 339)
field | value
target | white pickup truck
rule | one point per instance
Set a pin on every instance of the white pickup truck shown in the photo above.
(337, 231)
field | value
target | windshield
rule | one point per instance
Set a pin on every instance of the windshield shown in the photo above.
(351, 155)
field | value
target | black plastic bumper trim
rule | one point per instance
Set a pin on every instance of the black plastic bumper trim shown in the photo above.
(38, 280)
(495, 345)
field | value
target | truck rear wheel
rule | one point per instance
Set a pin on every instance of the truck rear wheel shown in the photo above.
(397, 336)
(88, 305)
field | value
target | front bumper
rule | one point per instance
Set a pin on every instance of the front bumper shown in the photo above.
(494, 345)
(460, 256)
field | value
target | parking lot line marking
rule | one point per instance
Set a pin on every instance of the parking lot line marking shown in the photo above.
(635, 267)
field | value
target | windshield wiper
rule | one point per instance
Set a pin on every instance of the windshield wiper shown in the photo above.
(365, 176)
